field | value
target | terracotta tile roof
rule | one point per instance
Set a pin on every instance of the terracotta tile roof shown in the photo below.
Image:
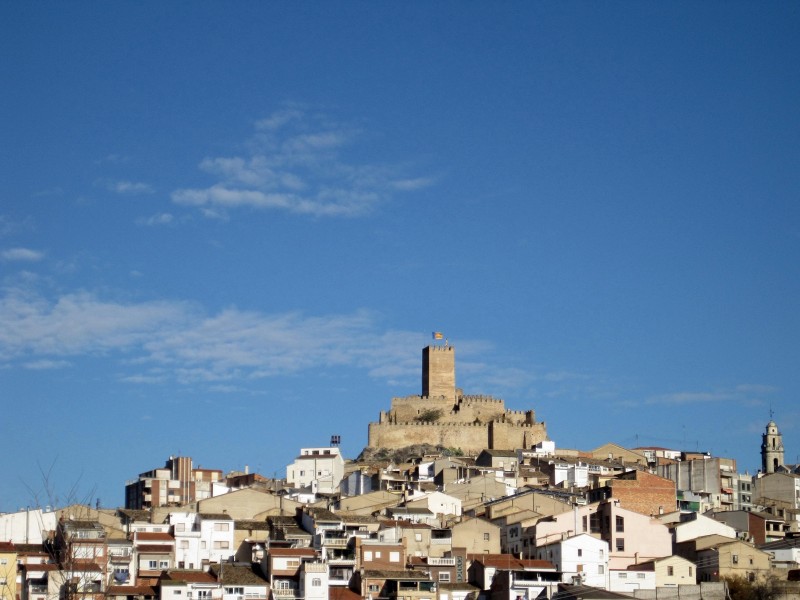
(153, 549)
(404, 525)
(188, 576)
(41, 568)
(229, 574)
(131, 590)
(152, 536)
(250, 524)
(406, 575)
(292, 552)
(510, 562)
(337, 592)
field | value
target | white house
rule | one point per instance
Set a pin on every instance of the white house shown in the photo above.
(580, 558)
(629, 580)
(201, 538)
(693, 525)
(322, 469)
(438, 503)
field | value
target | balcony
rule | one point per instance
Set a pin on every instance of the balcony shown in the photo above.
(286, 593)
(38, 589)
(441, 562)
(447, 541)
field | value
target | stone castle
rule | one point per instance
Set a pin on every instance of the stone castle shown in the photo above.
(444, 416)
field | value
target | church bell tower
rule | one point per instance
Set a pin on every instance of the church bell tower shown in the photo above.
(771, 449)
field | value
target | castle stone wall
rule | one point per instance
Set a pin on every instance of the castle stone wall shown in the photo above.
(471, 423)
(471, 439)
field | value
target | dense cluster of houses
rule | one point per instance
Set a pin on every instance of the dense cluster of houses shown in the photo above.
(504, 525)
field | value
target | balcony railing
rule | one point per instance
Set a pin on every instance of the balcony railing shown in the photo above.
(442, 541)
(286, 593)
(38, 589)
(441, 562)
(334, 542)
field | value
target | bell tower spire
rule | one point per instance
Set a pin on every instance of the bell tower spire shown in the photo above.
(771, 448)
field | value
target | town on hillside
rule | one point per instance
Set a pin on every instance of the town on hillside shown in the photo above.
(456, 497)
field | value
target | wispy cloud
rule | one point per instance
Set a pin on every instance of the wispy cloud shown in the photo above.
(161, 218)
(126, 187)
(295, 162)
(21, 254)
(43, 365)
(742, 394)
(163, 341)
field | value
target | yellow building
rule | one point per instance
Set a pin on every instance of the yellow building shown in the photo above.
(8, 571)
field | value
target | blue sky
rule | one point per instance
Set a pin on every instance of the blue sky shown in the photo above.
(212, 211)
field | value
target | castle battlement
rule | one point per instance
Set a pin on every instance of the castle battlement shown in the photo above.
(480, 398)
(447, 348)
(443, 415)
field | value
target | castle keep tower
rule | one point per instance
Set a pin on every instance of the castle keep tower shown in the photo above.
(439, 372)
(771, 449)
(443, 415)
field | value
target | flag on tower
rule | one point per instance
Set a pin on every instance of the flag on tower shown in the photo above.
(438, 335)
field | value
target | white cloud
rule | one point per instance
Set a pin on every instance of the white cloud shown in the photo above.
(161, 341)
(156, 219)
(295, 163)
(129, 187)
(45, 364)
(22, 254)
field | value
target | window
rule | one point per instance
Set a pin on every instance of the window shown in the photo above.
(601, 569)
(221, 545)
(184, 544)
(690, 571)
(367, 554)
(670, 571)
(239, 591)
(377, 554)
(394, 557)
(640, 575)
(316, 582)
(418, 537)
(3, 561)
(620, 544)
(180, 527)
(292, 563)
(374, 587)
(444, 576)
(623, 575)
(580, 551)
(485, 537)
(735, 559)
(164, 564)
(583, 522)
(222, 526)
(620, 521)
(594, 523)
